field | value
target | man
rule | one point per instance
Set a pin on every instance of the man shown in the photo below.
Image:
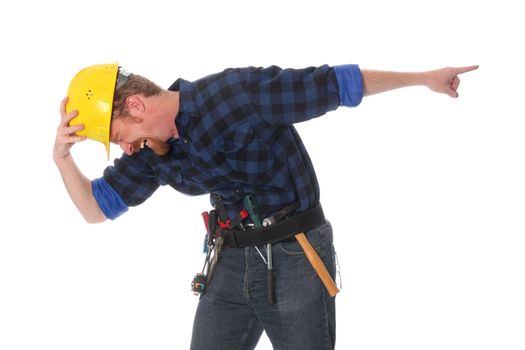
(230, 134)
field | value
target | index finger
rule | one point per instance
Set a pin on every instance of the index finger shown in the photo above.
(63, 104)
(66, 117)
(461, 70)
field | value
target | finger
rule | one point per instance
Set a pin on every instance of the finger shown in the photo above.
(71, 138)
(453, 87)
(69, 130)
(455, 83)
(74, 139)
(63, 104)
(452, 93)
(461, 70)
(67, 118)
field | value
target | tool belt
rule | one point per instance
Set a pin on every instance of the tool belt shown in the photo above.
(280, 231)
(281, 226)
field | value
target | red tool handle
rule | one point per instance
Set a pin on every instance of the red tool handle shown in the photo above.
(206, 218)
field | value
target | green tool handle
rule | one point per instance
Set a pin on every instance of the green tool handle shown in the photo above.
(251, 207)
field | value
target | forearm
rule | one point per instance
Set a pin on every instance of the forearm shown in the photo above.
(443, 80)
(375, 82)
(79, 188)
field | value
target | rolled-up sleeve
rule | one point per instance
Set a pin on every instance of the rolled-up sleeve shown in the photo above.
(127, 183)
(108, 199)
(350, 84)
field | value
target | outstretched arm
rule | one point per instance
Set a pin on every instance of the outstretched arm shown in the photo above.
(444, 80)
(78, 186)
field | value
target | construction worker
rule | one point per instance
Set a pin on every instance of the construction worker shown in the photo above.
(231, 135)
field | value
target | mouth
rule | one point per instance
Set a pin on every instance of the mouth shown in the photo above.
(157, 146)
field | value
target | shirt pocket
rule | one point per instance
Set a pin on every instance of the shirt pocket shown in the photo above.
(247, 155)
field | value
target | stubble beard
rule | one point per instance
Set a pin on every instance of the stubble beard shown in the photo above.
(158, 146)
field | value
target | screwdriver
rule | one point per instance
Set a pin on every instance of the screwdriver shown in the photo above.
(251, 206)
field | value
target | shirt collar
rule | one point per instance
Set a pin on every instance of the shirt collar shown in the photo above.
(187, 106)
(186, 97)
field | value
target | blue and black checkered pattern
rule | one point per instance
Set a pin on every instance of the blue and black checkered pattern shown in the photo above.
(236, 136)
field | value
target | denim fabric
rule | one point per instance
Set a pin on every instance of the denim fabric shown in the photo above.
(234, 311)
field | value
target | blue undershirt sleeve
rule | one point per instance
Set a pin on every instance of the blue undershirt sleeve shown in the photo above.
(108, 199)
(350, 84)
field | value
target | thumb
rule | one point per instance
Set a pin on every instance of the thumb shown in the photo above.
(452, 93)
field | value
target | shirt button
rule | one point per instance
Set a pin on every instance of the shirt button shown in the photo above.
(186, 140)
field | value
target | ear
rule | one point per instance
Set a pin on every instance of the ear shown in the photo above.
(135, 105)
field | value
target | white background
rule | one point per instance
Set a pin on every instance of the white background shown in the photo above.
(426, 193)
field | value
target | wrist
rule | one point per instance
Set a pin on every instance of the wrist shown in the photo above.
(58, 159)
(425, 78)
(418, 78)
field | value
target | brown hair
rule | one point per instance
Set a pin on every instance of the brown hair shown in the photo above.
(135, 84)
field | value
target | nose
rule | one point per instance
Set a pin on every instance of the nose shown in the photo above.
(126, 147)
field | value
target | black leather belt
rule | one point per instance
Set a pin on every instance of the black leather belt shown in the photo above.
(280, 231)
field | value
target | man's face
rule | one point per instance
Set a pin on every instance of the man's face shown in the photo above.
(131, 135)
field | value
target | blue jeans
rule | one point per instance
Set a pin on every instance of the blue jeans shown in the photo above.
(234, 311)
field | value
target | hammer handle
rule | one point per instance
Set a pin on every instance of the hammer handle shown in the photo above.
(317, 264)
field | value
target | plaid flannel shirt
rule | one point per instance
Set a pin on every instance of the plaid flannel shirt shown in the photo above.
(236, 136)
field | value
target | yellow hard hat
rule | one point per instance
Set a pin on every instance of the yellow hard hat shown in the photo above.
(91, 93)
